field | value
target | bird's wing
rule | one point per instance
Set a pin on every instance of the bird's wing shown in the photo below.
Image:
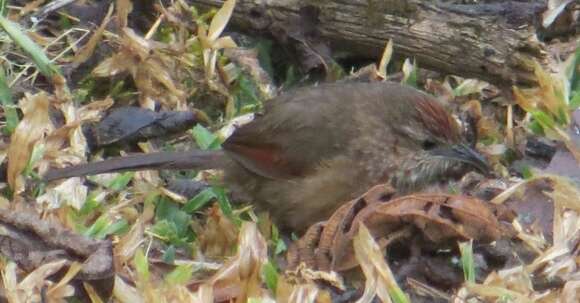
(297, 131)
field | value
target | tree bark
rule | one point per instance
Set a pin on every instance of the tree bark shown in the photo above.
(494, 42)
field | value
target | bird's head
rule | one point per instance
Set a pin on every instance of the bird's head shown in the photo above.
(441, 151)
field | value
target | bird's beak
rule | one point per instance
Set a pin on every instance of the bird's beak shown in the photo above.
(465, 153)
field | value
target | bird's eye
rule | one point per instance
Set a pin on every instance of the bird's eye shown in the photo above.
(428, 144)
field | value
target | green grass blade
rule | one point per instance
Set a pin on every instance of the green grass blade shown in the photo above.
(3, 10)
(467, 261)
(35, 52)
(575, 78)
(7, 104)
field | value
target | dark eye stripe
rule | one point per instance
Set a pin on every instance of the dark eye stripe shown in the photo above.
(428, 144)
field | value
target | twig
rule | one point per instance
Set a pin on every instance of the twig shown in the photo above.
(50, 7)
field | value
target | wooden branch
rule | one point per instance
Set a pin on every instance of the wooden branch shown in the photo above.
(494, 42)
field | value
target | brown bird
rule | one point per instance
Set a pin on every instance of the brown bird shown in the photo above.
(315, 148)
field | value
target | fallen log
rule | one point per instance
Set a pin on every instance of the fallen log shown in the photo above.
(495, 42)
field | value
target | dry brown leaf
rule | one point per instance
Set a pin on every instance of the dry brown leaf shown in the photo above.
(124, 7)
(558, 262)
(205, 294)
(70, 192)
(321, 240)
(304, 275)
(427, 290)
(470, 86)
(334, 237)
(243, 269)
(220, 20)
(128, 244)
(209, 38)
(112, 66)
(555, 8)
(304, 294)
(30, 289)
(497, 292)
(441, 218)
(10, 282)
(380, 280)
(92, 293)
(29, 7)
(385, 59)
(88, 49)
(62, 289)
(56, 154)
(154, 70)
(407, 69)
(126, 293)
(571, 292)
(560, 258)
(224, 42)
(218, 237)
(550, 97)
(303, 250)
(29, 132)
(550, 90)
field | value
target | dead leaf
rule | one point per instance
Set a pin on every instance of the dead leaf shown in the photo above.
(70, 192)
(243, 269)
(218, 237)
(220, 20)
(131, 124)
(385, 59)
(29, 132)
(32, 286)
(126, 293)
(87, 50)
(124, 7)
(380, 280)
(555, 8)
(441, 218)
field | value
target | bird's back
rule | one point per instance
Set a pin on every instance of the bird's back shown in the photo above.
(329, 143)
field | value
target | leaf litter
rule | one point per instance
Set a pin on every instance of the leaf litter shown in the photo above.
(524, 224)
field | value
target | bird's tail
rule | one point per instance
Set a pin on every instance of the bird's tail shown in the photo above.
(195, 159)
